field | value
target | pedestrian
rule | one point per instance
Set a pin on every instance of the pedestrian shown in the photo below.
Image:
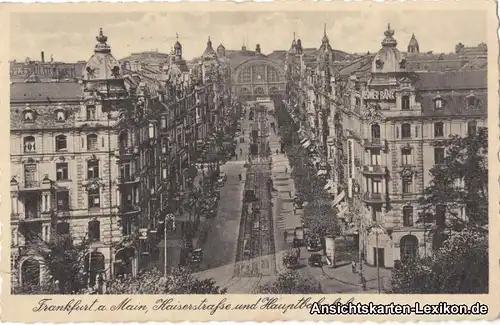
(363, 281)
(298, 252)
(240, 177)
(353, 266)
(294, 210)
(276, 151)
(241, 152)
(285, 235)
(286, 170)
(290, 194)
(235, 156)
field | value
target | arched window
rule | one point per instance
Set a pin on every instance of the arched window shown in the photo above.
(245, 75)
(92, 144)
(407, 216)
(30, 272)
(408, 247)
(375, 131)
(29, 144)
(123, 261)
(94, 230)
(61, 143)
(91, 112)
(406, 131)
(405, 102)
(151, 130)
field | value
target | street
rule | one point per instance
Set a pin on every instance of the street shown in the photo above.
(224, 259)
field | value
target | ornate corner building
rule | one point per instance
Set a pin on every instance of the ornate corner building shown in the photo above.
(370, 122)
(105, 159)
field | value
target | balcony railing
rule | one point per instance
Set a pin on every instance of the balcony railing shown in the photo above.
(128, 208)
(376, 170)
(127, 151)
(127, 179)
(377, 198)
(31, 184)
(375, 143)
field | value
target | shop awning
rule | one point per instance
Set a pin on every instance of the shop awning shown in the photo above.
(338, 198)
(330, 186)
(321, 172)
(306, 143)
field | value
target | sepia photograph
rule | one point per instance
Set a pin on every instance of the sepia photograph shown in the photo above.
(214, 152)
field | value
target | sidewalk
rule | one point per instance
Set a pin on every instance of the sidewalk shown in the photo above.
(344, 274)
(282, 198)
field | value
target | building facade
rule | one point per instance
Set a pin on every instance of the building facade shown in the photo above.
(374, 122)
(110, 161)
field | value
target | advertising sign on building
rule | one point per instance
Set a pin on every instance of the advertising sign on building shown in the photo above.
(385, 95)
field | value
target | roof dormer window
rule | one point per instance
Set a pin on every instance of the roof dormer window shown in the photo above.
(438, 102)
(60, 114)
(379, 63)
(471, 101)
(28, 115)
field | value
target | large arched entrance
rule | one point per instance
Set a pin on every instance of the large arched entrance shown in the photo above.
(258, 77)
(30, 272)
(124, 261)
(408, 246)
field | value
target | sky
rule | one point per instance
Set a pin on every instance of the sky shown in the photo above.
(71, 36)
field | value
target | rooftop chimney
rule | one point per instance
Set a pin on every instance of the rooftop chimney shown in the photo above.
(43, 57)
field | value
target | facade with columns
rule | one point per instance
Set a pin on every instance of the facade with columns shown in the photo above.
(105, 159)
(382, 120)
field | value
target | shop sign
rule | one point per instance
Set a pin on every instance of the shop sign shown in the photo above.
(380, 95)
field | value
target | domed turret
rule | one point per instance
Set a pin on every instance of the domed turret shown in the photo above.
(388, 59)
(413, 45)
(209, 53)
(102, 65)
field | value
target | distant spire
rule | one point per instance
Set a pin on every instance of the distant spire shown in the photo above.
(294, 36)
(325, 38)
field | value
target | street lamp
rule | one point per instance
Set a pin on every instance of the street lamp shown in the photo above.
(168, 217)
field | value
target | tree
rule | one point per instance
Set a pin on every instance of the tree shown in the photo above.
(290, 282)
(459, 266)
(181, 281)
(62, 258)
(321, 218)
(459, 182)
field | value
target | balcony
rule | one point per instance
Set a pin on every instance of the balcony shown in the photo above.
(128, 209)
(376, 170)
(373, 198)
(126, 152)
(375, 143)
(127, 180)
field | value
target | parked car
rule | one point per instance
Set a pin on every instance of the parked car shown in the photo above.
(197, 256)
(313, 244)
(315, 260)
